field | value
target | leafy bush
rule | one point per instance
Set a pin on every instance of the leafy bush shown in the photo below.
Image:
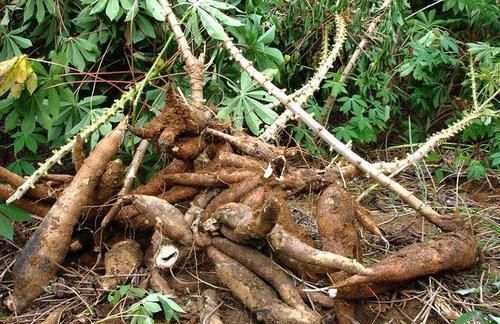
(411, 81)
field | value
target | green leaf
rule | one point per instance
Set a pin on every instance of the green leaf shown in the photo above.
(6, 229)
(151, 307)
(15, 213)
(156, 10)
(112, 9)
(268, 36)
(173, 305)
(214, 29)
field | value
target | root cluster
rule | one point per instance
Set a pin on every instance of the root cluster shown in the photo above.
(235, 189)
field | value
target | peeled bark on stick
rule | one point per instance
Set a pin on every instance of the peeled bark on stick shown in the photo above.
(38, 262)
(262, 266)
(445, 222)
(448, 252)
(193, 66)
(128, 181)
(123, 258)
(36, 208)
(283, 243)
(254, 293)
(38, 192)
(209, 314)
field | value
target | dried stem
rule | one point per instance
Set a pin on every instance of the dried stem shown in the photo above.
(193, 66)
(356, 55)
(129, 179)
(313, 85)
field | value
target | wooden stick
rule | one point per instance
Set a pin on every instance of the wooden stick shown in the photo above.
(447, 223)
(129, 180)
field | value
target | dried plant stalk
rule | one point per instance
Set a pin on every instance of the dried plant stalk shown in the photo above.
(445, 222)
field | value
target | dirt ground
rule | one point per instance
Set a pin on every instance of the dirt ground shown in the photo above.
(436, 299)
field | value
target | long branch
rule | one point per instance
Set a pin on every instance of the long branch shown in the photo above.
(313, 85)
(445, 222)
(193, 66)
(357, 53)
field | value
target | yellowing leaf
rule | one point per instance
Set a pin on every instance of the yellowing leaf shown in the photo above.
(15, 73)
(31, 83)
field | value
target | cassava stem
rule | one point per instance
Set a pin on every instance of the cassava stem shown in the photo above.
(447, 223)
(313, 84)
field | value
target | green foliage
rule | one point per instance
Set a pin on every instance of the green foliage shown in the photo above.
(411, 81)
(8, 215)
(477, 317)
(249, 105)
(150, 303)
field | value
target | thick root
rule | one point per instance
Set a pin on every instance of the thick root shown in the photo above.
(336, 223)
(254, 293)
(337, 228)
(47, 247)
(267, 270)
(111, 181)
(36, 208)
(233, 194)
(231, 160)
(121, 261)
(363, 217)
(179, 193)
(450, 251)
(283, 243)
(185, 148)
(157, 184)
(246, 223)
(78, 152)
(166, 217)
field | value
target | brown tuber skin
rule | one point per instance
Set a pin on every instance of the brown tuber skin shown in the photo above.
(254, 293)
(266, 269)
(337, 228)
(233, 194)
(246, 223)
(36, 208)
(111, 181)
(38, 262)
(78, 152)
(123, 258)
(284, 243)
(157, 185)
(450, 251)
(167, 217)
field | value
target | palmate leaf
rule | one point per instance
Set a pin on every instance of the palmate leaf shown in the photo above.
(15, 74)
(249, 106)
